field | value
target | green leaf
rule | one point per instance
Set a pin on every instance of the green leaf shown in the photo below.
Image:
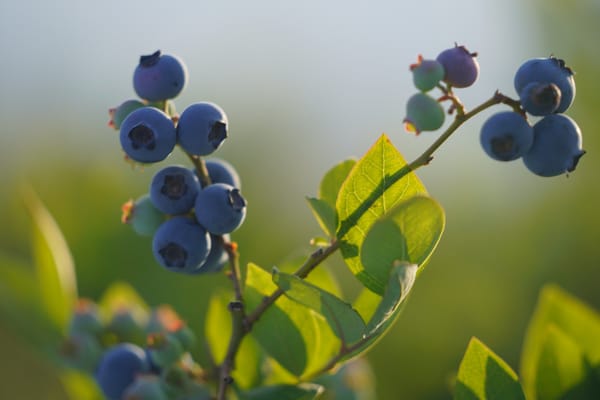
(572, 317)
(484, 375)
(276, 333)
(247, 372)
(305, 391)
(120, 295)
(408, 232)
(378, 181)
(345, 322)
(323, 207)
(80, 386)
(562, 370)
(53, 261)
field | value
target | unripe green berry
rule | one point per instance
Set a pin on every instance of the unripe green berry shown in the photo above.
(423, 113)
(427, 73)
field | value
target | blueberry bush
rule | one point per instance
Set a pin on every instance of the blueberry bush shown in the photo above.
(288, 332)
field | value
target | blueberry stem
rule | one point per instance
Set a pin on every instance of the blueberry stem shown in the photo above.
(200, 166)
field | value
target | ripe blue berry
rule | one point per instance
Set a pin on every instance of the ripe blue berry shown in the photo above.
(142, 215)
(217, 258)
(148, 135)
(540, 98)
(159, 77)
(460, 66)
(180, 244)
(173, 190)
(427, 73)
(119, 113)
(220, 171)
(220, 208)
(202, 128)
(548, 70)
(556, 146)
(506, 136)
(423, 113)
(119, 367)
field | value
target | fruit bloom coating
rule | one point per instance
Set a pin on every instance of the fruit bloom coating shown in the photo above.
(217, 258)
(540, 98)
(460, 66)
(220, 208)
(148, 135)
(180, 244)
(118, 114)
(142, 215)
(174, 189)
(506, 136)
(159, 77)
(548, 70)
(427, 74)
(220, 171)
(423, 113)
(118, 368)
(556, 146)
(202, 128)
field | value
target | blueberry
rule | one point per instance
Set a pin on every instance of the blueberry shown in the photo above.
(220, 208)
(148, 135)
(217, 258)
(220, 171)
(202, 128)
(540, 98)
(119, 113)
(423, 113)
(460, 66)
(180, 244)
(548, 70)
(556, 146)
(174, 189)
(164, 349)
(427, 73)
(147, 387)
(119, 367)
(81, 351)
(86, 319)
(506, 136)
(159, 77)
(142, 215)
(127, 325)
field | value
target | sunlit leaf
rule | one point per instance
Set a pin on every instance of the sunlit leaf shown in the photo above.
(345, 322)
(80, 386)
(378, 181)
(324, 213)
(53, 261)
(572, 317)
(408, 232)
(305, 391)
(121, 295)
(484, 375)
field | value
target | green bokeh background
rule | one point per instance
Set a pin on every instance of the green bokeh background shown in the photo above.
(304, 86)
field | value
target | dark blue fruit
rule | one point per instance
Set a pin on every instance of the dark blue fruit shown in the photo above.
(119, 367)
(148, 135)
(217, 258)
(540, 98)
(460, 66)
(548, 70)
(202, 128)
(506, 136)
(174, 189)
(220, 171)
(220, 208)
(159, 77)
(556, 146)
(181, 244)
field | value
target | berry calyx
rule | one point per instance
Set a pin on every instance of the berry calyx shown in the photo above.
(148, 135)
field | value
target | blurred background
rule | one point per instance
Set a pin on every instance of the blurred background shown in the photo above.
(305, 85)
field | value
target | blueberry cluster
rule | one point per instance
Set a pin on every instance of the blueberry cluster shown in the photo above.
(132, 355)
(455, 67)
(553, 145)
(190, 212)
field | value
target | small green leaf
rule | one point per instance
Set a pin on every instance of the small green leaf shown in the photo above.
(345, 322)
(80, 386)
(276, 333)
(562, 371)
(408, 232)
(53, 261)
(332, 181)
(572, 317)
(484, 375)
(325, 215)
(378, 181)
(304, 391)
